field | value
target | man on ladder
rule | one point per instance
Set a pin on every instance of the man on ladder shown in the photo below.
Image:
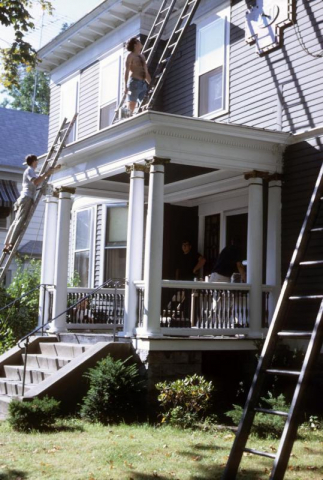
(30, 182)
(137, 85)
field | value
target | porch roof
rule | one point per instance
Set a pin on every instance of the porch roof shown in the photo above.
(229, 149)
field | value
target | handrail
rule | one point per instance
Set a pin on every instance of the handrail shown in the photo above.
(25, 295)
(41, 327)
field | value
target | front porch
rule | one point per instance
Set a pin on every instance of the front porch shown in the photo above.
(217, 167)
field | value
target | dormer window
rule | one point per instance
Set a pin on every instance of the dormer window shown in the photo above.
(110, 88)
(212, 65)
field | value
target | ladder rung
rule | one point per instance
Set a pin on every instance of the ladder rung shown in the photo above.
(292, 373)
(184, 16)
(159, 23)
(318, 229)
(258, 452)
(294, 334)
(307, 297)
(147, 50)
(172, 45)
(311, 262)
(165, 10)
(271, 412)
(165, 60)
(178, 31)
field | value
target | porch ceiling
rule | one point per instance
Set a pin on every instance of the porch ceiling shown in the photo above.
(231, 149)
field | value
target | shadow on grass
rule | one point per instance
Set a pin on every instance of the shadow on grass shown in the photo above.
(12, 475)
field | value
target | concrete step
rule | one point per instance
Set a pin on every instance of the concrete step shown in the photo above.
(33, 375)
(12, 388)
(65, 350)
(4, 406)
(45, 362)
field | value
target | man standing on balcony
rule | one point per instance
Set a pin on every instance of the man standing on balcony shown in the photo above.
(137, 85)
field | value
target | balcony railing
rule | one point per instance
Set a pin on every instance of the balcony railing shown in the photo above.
(205, 306)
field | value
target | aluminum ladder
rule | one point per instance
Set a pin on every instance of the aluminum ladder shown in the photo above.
(291, 296)
(50, 162)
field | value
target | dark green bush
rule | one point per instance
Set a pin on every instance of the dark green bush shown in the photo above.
(185, 401)
(39, 414)
(115, 392)
(265, 425)
(19, 319)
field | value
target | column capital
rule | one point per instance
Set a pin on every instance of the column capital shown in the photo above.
(256, 174)
(66, 190)
(157, 161)
(136, 167)
(275, 177)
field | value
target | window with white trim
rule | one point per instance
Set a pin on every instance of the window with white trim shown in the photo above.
(116, 243)
(212, 65)
(82, 250)
(110, 88)
(70, 104)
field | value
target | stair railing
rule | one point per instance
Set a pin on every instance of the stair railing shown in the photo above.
(26, 338)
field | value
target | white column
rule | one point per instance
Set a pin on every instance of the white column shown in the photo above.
(48, 252)
(154, 248)
(135, 237)
(273, 266)
(255, 250)
(61, 266)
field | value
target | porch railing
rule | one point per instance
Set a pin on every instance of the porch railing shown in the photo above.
(104, 307)
(205, 305)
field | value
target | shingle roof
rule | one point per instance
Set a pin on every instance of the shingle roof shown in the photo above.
(33, 247)
(21, 133)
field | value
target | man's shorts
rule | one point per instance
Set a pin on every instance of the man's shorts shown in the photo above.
(137, 89)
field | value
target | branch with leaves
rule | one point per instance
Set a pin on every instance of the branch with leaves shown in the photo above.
(17, 15)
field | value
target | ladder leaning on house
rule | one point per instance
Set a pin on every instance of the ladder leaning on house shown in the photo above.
(291, 294)
(50, 162)
(167, 7)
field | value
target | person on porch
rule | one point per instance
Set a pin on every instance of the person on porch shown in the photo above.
(137, 85)
(228, 262)
(30, 182)
(189, 263)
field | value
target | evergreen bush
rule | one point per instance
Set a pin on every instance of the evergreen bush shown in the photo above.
(185, 401)
(115, 392)
(265, 425)
(39, 414)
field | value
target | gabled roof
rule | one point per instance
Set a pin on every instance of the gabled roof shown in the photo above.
(21, 133)
(102, 20)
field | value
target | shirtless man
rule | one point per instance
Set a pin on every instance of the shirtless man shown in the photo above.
(137, 85)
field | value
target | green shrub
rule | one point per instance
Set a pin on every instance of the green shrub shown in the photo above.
(265, 425)
(185, 401)
(39, 414)
(115, 392)
(19, 319)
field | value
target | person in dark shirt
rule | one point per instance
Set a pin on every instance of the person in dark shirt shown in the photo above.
(228, 262)
(189, 263)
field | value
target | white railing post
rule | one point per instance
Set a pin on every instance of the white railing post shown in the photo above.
(255, 249)
(48, 252)
(135, 236)
(61, 267)
(154, 248)
(273, 267)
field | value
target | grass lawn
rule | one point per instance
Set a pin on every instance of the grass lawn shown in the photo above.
(82, 451)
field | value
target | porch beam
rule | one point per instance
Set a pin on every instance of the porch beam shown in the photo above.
(135, 237)
(61, 266)
(154, 248)
(254, 249)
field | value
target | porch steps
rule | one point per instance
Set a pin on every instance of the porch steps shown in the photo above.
(53, 367)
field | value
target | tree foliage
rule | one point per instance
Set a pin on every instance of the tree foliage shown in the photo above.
(17, 14)
(22, 98)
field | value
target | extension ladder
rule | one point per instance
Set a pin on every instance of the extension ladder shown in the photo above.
(149, 49)
(291, 294)
(168, 54)
(50, 162)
